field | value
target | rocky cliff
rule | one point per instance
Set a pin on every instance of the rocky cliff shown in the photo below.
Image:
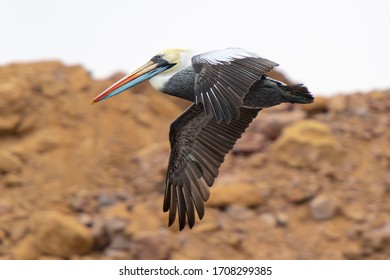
(86, 182)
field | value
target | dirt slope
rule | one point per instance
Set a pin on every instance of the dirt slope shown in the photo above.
(86, 182)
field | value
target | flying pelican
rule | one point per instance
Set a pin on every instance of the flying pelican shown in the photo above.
(228, 88)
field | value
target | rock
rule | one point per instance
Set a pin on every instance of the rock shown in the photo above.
(121, 195)
(115, 224)
(108, 232)
(332, 232)
(299, 192)
(105, 199)
(119, 242)
(78, 77)
(306, 144)
(249, 143)
(219, 245)
(27, 123)
(55, 79)
(239, 212)
(15, 96)
(323, 207)
(144, 218)
(377, 238)
(100, 234)
(112, 254)
(319, 105)
(170, 109)
(354, 212)
(86, 220)
(79, 203)
(281, 219)
(353, 251)
(377, 101)
(5, 207)
(271, 125)
(9, 123)
(12, 181)
(153, 246)
(49, 140)
(19, 230)
(26, 249)
(269, 219)
(59, 234)
(118, 210)
(208, 226)
(14, 92)
(3, 235)
(9, 162)
(337, 104)
(51, 81)
(236, 193)
(377, 96)
(211, 222)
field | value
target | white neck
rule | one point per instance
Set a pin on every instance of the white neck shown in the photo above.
(158, 82)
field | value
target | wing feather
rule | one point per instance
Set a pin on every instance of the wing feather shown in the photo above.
(198, 147)
(224, 77)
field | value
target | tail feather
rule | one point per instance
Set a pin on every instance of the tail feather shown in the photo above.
(297, 94)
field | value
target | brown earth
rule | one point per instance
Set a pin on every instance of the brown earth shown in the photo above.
(82, 182)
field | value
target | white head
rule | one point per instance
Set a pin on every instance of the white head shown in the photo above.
(158, 70)
(181, 58)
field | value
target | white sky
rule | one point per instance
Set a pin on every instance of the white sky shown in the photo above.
(332, 46)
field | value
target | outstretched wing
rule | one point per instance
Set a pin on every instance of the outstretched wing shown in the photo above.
(198, 147)
(224, 77)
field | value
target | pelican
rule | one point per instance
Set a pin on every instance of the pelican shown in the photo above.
(228, 88)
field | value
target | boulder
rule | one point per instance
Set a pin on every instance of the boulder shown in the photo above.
(249, 143)
(144, 218)
(9, 162)
(299, 192)
(323, 207)
(236, 193)
(377, 238)
(26, 249)
(272, 124)
(307, 143)
(14, 93)
(152, 246)
(320, 105)
(13, 181)
(59, 234)
(55, 78)
(338, 104)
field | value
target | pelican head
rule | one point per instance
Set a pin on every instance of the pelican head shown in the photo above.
(165, 64)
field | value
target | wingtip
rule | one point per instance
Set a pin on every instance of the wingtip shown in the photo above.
(171, 220)
(191, 223)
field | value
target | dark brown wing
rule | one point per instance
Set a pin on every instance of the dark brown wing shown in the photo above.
(224, 77)
(198, 147)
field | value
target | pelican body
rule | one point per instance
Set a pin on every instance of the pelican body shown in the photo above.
(228, 88)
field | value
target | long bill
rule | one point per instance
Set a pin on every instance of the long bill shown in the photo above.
(143, 73)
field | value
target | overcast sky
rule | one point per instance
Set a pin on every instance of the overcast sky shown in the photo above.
(332, 46)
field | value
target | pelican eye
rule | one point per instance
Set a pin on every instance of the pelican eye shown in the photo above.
(157, 58)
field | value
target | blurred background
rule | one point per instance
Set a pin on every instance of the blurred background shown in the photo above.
(82, 182)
